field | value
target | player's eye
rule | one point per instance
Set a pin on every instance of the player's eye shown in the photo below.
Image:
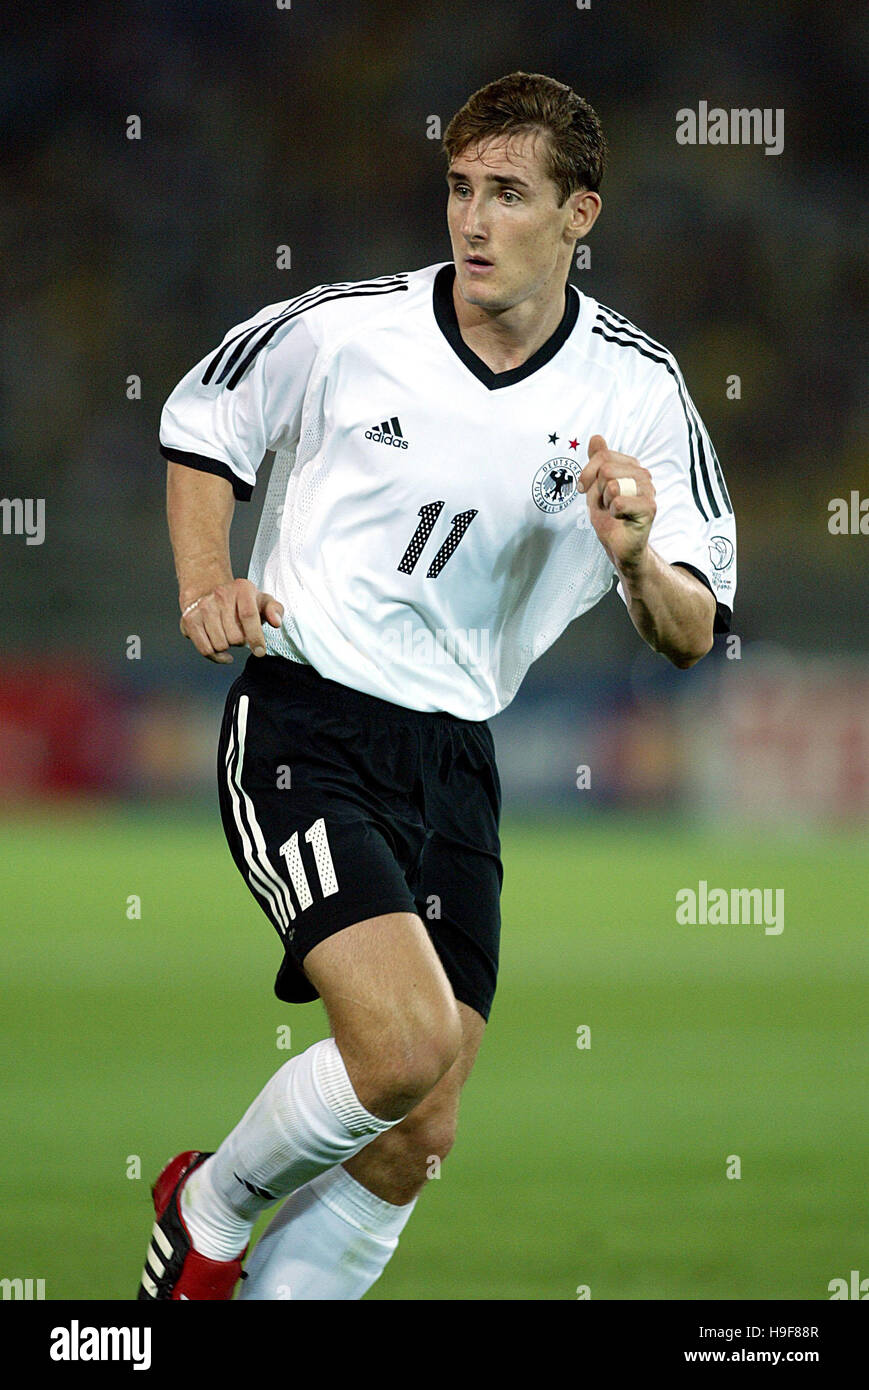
(510, 193)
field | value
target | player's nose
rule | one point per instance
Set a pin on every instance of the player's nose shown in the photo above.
(473, 228)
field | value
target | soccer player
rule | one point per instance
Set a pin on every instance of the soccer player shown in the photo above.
(467, 456)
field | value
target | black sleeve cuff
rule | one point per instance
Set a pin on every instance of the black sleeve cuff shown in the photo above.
(243, 491)
(723, 615)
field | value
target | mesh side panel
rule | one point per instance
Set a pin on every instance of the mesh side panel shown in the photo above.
(268, 538)
(276, 544)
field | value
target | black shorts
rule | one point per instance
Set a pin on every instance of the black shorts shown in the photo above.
(339, 807)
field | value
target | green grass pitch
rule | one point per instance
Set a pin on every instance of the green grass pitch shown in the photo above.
(603, 1166)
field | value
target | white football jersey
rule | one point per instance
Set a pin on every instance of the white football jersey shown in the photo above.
(422, 525)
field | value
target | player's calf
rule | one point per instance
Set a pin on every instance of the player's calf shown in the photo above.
(399, 1163)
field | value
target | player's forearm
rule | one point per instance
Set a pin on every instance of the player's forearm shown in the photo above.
(199, 507)
(671, 610)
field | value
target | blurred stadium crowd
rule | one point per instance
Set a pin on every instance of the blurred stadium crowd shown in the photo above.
(307, 127)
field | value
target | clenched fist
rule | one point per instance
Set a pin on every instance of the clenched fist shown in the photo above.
(230, 616)
(622, 521)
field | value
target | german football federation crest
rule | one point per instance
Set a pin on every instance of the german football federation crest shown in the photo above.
(554, 485)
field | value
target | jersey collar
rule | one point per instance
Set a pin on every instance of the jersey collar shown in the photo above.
(445, 314)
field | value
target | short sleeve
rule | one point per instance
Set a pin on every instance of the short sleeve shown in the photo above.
(243, 399)
(694, 525)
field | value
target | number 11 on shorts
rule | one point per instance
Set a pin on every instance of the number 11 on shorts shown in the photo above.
(316, 837)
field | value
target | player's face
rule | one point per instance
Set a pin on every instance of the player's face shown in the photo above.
(510, 238)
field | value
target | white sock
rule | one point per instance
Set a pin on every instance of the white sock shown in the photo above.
(305, 1120)
(332, 1239)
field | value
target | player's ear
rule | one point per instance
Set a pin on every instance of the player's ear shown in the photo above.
(585, 206)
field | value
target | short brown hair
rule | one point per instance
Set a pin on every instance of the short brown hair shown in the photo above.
(576, 148)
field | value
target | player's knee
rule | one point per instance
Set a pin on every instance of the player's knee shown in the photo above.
(424, 1058)
(413, 1062)
(431, 1055)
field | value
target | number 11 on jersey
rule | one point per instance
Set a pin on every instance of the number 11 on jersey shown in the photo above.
(428, 515)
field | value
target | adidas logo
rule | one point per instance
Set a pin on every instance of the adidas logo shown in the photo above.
(387, 432)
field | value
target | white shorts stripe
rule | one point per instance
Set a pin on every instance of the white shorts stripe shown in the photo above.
(259, 839)
(256, 877)
(256, 855)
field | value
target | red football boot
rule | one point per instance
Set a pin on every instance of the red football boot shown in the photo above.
(173, 1269)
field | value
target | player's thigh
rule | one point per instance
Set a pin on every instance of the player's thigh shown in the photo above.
(390, 1005)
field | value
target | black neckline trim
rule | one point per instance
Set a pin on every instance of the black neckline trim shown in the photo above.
(445, 314)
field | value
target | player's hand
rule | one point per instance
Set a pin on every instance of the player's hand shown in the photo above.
(231, 616)
(622, 522)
